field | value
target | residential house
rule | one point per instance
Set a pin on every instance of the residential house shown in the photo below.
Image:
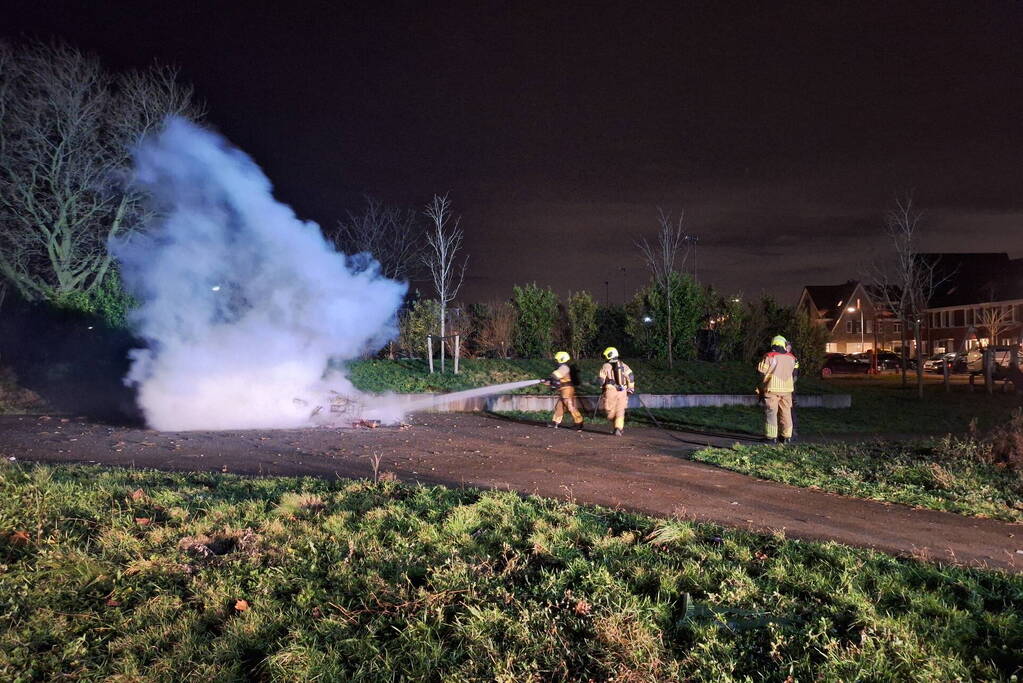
(854, 320)
(978, 301)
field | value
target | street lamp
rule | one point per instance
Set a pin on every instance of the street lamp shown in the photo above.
(853, 309)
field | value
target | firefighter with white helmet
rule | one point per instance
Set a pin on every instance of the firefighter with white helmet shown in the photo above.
(777, 370)
(563, 380)
(618, 384)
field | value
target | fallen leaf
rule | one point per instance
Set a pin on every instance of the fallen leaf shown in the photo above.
(143, 521)
(242, 605)
(138, 494)
(582, 608)
(113, 603)
(18, 538)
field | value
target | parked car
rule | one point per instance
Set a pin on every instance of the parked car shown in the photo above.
(1002, 354)
(839, 363)
(936, 363)
(886, 360)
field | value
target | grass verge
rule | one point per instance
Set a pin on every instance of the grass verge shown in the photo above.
(880, 409)
(946, 474)
(140, 574)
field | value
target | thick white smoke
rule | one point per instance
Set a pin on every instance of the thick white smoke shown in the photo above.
(243, 305)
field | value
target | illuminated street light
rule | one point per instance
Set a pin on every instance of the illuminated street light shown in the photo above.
(853, 309)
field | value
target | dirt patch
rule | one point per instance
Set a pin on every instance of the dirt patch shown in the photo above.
(646, 470)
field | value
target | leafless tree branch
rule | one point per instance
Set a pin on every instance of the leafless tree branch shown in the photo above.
(907, 287)
(661, 258)
(444, 239)
(390, 234)
(67, 129)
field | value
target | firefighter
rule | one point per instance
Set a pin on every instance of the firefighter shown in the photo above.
(777, 383)
(563, 380)
(618, 384)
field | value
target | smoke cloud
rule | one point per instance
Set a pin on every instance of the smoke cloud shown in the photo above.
(244, 307)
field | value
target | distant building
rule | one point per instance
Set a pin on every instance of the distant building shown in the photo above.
(854, 320)
(979, 301)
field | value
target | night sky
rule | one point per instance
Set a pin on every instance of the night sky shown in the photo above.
(784, 132)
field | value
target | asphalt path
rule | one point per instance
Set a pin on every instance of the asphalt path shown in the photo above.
(647, 471)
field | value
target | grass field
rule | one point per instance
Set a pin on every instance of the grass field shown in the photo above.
(137, 574)
(877, 409)
(689, 377)
(946, 474)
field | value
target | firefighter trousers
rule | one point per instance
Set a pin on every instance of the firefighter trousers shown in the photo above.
(777, 409)
(615, 403)
(567, 403)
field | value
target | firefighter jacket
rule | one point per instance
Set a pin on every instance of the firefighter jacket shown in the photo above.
(777, 369)
(615, 374)
(561, 377)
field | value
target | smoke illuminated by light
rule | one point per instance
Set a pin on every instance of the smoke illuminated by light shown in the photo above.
(244, 307)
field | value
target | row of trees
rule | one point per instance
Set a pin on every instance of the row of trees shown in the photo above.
(534, 323)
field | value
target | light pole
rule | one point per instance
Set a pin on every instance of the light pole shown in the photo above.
(853, 309)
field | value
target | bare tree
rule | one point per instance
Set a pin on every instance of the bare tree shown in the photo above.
(389, 233)
(499, 330)
(444, 238)
(67, 129)
(661, 258)
(906, 289)
(994, 319)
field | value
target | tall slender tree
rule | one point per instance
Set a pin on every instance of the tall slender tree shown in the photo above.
(662, 259)
(907, 286)
(444, 240)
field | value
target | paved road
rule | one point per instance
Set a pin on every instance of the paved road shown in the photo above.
(645, 471)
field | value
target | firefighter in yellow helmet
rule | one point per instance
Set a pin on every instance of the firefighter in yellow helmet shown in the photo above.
(777, 370)
(563, 380)
(618, 383)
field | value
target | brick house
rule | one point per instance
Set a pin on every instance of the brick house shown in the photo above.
(977, 294)
(979, 301)
(854, 320)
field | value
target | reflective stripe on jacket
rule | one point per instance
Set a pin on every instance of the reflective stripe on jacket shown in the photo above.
(777, 370)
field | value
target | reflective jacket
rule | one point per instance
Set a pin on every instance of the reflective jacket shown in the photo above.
(562, 376)
(614, 374)
(777, 369)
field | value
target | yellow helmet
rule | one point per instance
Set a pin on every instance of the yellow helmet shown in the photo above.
(779, 341)
(610, 353)
(562, 357)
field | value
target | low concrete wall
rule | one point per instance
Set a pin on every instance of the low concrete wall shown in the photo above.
(531, 403)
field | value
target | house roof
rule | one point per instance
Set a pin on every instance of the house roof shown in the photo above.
(967, 279)
(829, 299)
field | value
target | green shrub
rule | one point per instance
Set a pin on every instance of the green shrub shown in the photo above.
(537, 315)
(647, 320)
(109, 301)
(582, 323)
(415, 324)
